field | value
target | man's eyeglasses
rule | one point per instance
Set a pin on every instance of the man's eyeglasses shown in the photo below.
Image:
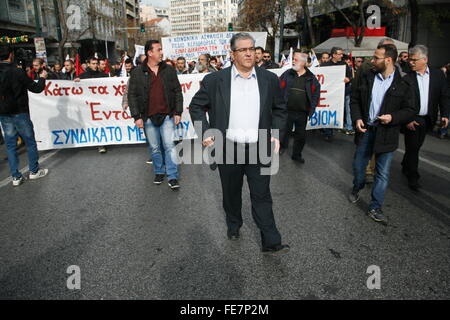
(251, 49)
(266, 57)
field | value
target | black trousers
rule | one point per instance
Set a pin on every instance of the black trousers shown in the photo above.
(413, 142)
(232, 178)
(300, 120)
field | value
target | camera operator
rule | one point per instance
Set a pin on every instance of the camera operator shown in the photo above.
(15, 115)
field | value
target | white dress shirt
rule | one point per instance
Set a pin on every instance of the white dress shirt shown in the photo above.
(424, 88)
(244, 108)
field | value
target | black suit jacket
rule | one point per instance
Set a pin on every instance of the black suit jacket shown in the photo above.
(437, 94)
(215, 94)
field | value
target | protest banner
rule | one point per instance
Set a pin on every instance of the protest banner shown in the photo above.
(215, 44)
(138, 50)
(71, 114)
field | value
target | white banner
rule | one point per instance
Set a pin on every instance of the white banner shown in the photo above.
(192, 46)
(68, 114)
(138, 50)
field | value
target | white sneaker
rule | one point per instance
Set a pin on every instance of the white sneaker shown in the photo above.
(18, 181)
(39, 174)
(102, 149)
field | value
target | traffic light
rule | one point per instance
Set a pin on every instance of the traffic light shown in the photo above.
(142, 27)
(230, 26)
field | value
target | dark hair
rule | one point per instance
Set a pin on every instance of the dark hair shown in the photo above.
(5, 51)
(240, 36)
(213, 59)
(169, 61)
(91, 59)
(324, 53)
(149, 45)
(128, 61)
(402, 53)
(334, 50)
(40, 60)
(390, 51)
(260, 48)
(181, 58)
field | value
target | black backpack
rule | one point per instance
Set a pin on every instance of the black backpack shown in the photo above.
(7, 104)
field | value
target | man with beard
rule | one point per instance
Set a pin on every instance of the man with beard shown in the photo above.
(381, 103)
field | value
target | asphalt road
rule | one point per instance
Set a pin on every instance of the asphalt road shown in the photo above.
(134, 240)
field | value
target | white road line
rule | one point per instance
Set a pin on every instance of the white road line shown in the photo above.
(42, 159)
(432, 163)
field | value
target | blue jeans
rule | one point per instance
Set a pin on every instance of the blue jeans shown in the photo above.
(362, 156)
(164, 135)
(348, 117)
(13, 126)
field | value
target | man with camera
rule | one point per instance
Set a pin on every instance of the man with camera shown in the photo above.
(15, 114)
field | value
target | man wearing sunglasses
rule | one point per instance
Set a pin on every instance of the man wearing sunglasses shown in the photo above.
(430, 89)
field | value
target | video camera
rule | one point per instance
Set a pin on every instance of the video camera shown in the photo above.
(23, 57)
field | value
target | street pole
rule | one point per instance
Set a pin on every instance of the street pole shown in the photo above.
(37, 18)
(58, 21)
(106, 46)
(283, 5)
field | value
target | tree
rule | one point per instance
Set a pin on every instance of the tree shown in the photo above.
(265, 15)
(67, 34)
(358, 26)
(305, 7)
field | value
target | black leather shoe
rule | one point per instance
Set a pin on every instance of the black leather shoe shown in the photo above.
(275, 250)
(413, 184)
(404, 171)
(298, 159)
(233, 236)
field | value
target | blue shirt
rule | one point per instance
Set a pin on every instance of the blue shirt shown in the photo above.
(424, 88)
(379, 89)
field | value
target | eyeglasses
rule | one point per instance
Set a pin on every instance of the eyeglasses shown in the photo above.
(268, 57)
(251, 49)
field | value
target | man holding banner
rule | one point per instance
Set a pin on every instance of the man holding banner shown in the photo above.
(156, 104)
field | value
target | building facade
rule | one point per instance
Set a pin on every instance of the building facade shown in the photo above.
(201, 16)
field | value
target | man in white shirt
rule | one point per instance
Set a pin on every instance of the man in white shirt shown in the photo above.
(244, 102)
(431, 96)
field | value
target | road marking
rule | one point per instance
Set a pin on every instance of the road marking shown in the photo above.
(42, 159)
(432, 163)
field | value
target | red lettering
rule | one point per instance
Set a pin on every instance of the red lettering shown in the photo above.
(92, 104)
(107, 114)
(47, 90)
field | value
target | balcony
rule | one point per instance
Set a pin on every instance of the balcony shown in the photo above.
(131, 13)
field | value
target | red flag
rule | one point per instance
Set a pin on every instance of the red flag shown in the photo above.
(78, 69)
(107, 70)
(351, 59)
